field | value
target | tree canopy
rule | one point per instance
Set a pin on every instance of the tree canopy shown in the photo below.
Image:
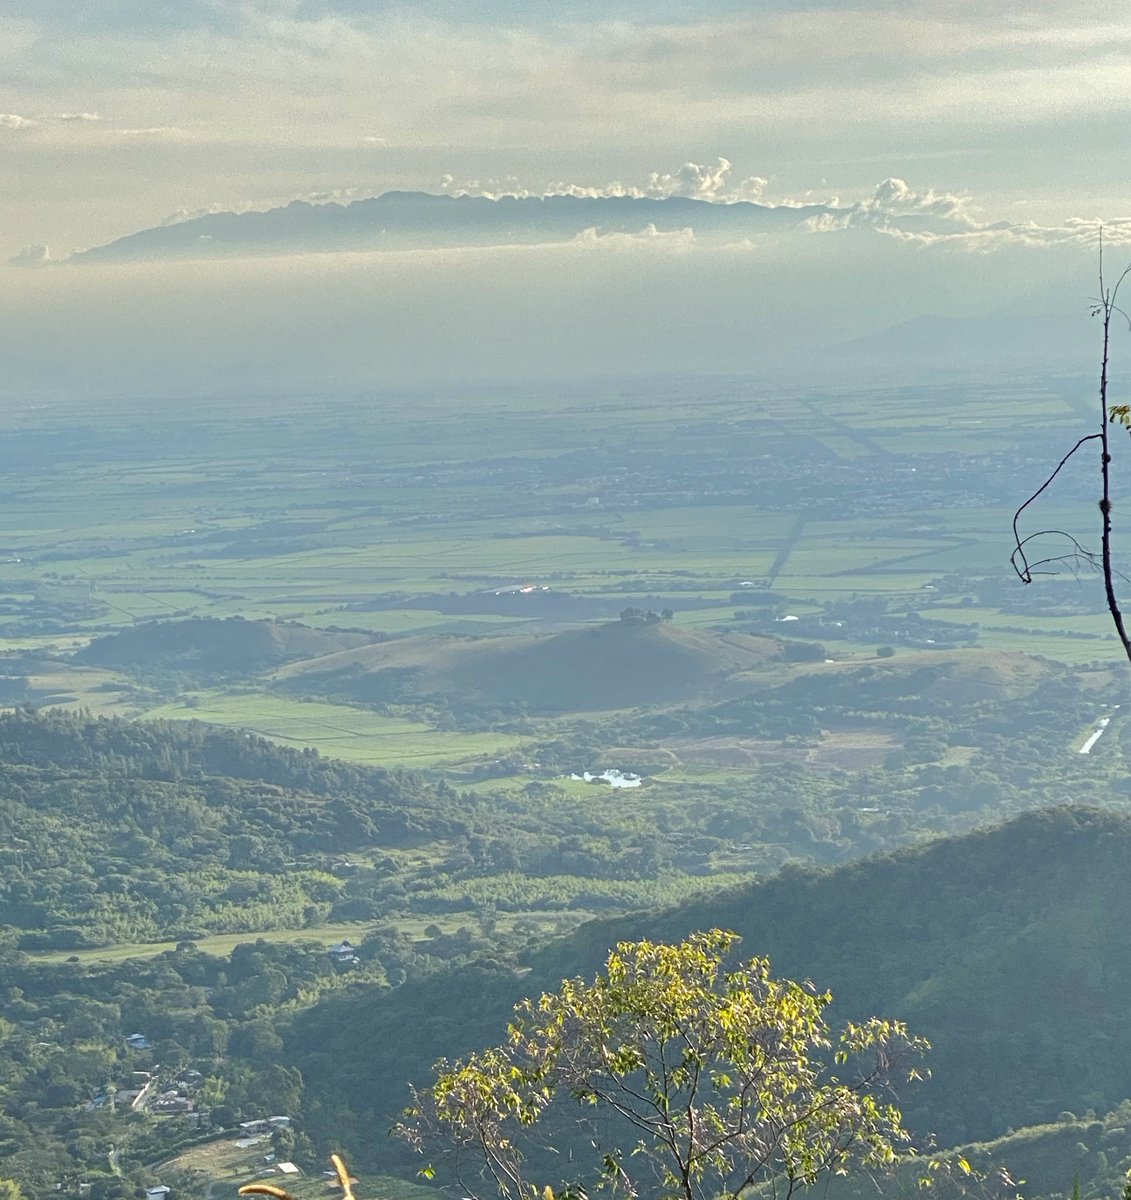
(688, 1076)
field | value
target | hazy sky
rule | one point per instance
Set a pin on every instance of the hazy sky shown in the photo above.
(116, 115)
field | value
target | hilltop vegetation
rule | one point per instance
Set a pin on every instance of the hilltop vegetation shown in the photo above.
(115, 831)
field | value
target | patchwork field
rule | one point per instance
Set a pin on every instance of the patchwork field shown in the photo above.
(338, 730)
(842, 750)
(535, 510)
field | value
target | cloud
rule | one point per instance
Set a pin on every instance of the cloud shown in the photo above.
(183, 214)
(619, 304)
(490, 188)
(338, 195)
(72, 118)
(695, 181)
(705, 183)
(33, 256)
(662, 239)
(14, 121)
(1075, 232)
(893, 198)
(153, 131)
(896, 207)
(948, 220)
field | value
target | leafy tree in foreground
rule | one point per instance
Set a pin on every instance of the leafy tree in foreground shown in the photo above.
(698, 1081)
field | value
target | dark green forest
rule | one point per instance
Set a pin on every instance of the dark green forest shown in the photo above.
(1004, 947)
(120, 831)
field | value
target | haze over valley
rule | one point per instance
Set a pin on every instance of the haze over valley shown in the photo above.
(482, 487)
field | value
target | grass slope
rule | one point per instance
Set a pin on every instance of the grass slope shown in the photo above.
(617, 665)
(955, 676)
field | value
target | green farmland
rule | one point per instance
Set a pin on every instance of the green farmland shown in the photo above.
(400, 515)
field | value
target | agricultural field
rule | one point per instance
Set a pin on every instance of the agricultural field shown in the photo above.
(473, 554)
(561, 655)
(340, 730)
(533, 510)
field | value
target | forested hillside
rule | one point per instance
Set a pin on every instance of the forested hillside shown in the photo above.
(1002, 947)
(114, 830)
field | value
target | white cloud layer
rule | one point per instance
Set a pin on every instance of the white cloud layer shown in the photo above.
(612, 304)
(1012, 100)
(113, 115)
(32, 256)
(695, 181)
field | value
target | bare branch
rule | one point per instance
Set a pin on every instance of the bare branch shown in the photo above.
(1018, 559)
(1105, 460)
(1105, 307)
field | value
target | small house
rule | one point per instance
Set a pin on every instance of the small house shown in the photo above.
(343, 953)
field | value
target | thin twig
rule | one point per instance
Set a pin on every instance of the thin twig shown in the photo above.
(1105, 307)
(1023, 570)
(1109, 307)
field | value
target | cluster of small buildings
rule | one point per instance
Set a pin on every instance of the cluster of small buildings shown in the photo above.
(253, 1132)
(146, 1092)
(176, 1100)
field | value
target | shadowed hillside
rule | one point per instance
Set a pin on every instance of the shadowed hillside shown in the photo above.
(206, 646)
(1003, 947)
(631, 664)
(617, 665)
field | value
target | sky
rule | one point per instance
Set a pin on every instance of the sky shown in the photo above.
(1009, 119)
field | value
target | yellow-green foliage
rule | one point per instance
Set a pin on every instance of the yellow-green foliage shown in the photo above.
(703, 1079)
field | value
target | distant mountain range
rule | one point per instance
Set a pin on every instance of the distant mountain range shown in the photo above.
(407, 220)
(962, 342)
